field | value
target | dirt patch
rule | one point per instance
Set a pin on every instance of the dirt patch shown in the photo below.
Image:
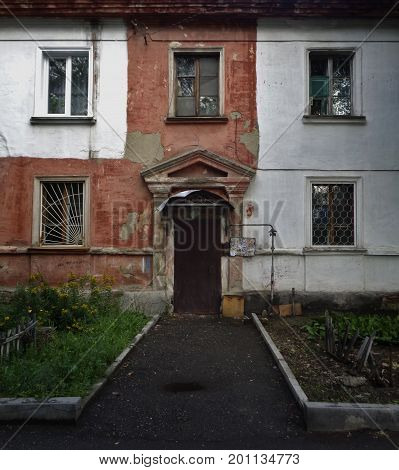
(318, 373)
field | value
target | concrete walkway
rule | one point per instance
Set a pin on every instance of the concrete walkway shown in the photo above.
(192, 383)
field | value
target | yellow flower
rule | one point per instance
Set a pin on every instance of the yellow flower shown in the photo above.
(6, 318)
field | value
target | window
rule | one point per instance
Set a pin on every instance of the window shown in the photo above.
(64, 84)
(62, 213)
(197, 84)
(333, 214)
(330, 83)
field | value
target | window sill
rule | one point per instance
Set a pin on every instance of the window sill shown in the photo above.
(196, 120)
(308, 119)
(334, 250)
(52, 250)
(87, 120)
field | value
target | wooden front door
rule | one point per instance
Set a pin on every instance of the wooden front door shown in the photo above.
(197, 265)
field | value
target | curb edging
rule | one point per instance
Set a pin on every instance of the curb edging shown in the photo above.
(329, 416)
(64, 408)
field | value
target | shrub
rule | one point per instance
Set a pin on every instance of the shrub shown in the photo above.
(71, 306)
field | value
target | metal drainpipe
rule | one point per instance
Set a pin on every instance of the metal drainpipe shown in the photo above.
(272, 233)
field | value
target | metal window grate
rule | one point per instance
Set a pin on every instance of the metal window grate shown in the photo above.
(333, 220)
(62, 213)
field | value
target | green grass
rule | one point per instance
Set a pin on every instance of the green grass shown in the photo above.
(70, 363)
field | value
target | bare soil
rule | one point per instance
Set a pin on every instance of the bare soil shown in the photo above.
(317, 371)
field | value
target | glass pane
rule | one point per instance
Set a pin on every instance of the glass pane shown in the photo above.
(185, 66)
(341, 87)
(209, 86)
(185, 106)
(185, 87)
(333, 214)
(319, 214)
(341, 66)
(209, 66)
(341, 106)
(80, 84)
(319, 86)
(319, 107)
(318, 66)
(209, 106)
(56, 86)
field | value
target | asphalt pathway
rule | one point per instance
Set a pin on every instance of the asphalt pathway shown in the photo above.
(192, 383)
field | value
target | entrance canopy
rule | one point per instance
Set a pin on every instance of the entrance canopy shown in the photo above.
(194, 197)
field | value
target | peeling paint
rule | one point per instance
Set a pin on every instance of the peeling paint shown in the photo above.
(3, 268)
(144, 148)
(234, 115)
(175, 44)
(135, 221)
(129, 226)
(127, 271)
(251, 141)
(4, 150)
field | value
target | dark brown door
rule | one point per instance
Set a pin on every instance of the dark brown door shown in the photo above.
(197, 279)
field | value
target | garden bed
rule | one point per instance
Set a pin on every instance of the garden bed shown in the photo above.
(83, 329)
(319, 374)
(70, 363)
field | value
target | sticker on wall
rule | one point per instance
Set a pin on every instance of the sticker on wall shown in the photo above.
(240, 246)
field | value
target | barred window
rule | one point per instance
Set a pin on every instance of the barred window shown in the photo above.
(62, 213)
(333, 214)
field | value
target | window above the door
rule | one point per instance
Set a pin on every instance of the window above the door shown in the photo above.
(196, 79)
(64, 85)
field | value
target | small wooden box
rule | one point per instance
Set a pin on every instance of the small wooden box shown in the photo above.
(285, 310)
(233, 306)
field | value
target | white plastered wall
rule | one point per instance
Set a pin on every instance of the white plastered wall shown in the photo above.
(18, 51)
(293, 152)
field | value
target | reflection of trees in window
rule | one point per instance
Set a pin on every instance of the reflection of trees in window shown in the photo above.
(330, 84)
(197, 85)
(68, 84)
(333, 214)
(56, 86)
(62, 213)
(80, 82)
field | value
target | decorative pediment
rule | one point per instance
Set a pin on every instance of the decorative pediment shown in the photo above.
(199, 163)
(198, 169)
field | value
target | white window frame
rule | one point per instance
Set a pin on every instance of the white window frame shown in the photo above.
(173, 51)
(42, 81)
(357, 216)
(356, 78)
(37, 210)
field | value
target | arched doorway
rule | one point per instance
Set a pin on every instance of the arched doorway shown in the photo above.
(199, 217)
(199, 271)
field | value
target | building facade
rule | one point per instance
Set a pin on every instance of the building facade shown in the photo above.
(328, 163)
(134, 138)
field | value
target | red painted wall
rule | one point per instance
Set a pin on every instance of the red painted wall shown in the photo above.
(116, 189)
(118, 194)
(148, 89)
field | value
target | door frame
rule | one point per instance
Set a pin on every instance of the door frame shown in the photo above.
(227, 179)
